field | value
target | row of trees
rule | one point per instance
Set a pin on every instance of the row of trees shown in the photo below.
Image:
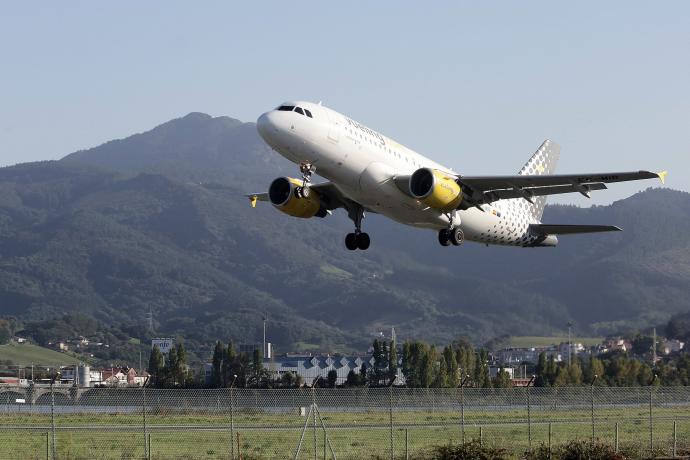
(230, 368)
(612, 370)
(425, 366)
(169, 372)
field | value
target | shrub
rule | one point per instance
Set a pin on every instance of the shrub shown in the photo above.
(575, 450)
(468, 451)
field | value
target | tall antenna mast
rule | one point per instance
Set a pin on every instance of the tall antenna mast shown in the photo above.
(264, 318)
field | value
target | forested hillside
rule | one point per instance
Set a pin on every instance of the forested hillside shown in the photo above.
(158, 222)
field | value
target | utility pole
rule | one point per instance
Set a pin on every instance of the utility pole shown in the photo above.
(264, 318)
(654, 351)
(570, 347)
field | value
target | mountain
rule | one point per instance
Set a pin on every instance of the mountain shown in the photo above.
(158, 222)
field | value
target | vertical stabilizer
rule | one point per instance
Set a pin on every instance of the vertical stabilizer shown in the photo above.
(543, 162)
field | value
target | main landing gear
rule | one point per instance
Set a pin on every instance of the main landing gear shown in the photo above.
(358, 239)
(454, 236)
(451, 235)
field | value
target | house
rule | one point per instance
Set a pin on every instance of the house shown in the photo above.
(616, 344)
(516, 356)
(672, 346)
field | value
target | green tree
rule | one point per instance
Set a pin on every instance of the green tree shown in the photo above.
(551, 371)
(453, 370)
(217, 363)
(288, 379)
(352, 379)
(426, 366)
(5, 332)
(466, 356)
(156, 367)
(332, 378)
(575, 373)
(170, 366)
(593, 368)
(481, 370)
(178, 366)
(441, 380)
(562, 377)
(392, 362)
(230, 365)
(502, 379)
(541, 379)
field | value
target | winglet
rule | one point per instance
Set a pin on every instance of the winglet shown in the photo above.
(662, 176)
(252, 200)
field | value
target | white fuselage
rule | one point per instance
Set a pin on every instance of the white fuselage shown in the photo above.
(362, 164)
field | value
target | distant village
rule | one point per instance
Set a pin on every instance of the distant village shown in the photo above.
(517, 364)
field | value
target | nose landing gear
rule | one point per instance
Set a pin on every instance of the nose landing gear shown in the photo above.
(307, 169)
(358, 239)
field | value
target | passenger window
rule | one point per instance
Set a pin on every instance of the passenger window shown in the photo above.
(286, 108)
(299, 110)
(308, 113)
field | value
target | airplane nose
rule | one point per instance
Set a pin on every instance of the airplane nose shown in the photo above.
(265, 125)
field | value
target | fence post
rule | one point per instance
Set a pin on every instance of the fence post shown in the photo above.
(651, 423)
(616, 437)
(462, 411)
(143, 411)
(313, 406)
(52, 420)
(592, 390)
(407, 444)
(675, 440)
(549, 440)
(481, 436)
(529, 420)
(390, 416)
(47, 446)
(232, 421)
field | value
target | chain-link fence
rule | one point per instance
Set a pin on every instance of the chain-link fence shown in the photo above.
(401, 423)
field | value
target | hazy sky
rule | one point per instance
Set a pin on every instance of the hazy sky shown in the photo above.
(477, 86)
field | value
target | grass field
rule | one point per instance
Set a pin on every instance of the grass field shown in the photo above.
(355, 435)
(535, 341)
(27, 353)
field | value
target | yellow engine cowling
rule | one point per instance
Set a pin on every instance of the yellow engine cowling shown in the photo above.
(435, 189)
(282, 195)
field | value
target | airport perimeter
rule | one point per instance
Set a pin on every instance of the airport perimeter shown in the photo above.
(342, 423)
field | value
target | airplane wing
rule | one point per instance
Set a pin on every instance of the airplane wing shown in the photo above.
(331, 198)
(486, 189)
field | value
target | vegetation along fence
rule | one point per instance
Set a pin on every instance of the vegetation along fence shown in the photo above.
(401, 423)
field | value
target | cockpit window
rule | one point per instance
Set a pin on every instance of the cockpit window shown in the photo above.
(286, 108)
(308, 113)
(299, 110)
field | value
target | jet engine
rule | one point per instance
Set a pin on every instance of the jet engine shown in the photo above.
(435, 189)
(287, 194)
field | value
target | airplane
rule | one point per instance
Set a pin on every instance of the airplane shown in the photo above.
(369, 172)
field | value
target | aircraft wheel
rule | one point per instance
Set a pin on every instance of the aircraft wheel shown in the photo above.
(305, 192)
(351, 241)
(444, 237)
(363, 241)
(457, 236)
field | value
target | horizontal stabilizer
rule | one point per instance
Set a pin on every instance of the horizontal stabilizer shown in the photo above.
(550, 229)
